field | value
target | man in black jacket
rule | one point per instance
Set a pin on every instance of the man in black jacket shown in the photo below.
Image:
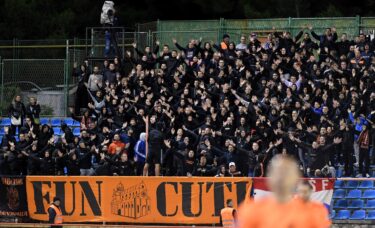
(155, 143)
(347, 147)
(318, 152)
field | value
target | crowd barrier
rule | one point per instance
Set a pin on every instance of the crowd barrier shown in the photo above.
(135, 200)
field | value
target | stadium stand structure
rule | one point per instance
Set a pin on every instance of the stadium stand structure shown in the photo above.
(54, 122)
(353, 201)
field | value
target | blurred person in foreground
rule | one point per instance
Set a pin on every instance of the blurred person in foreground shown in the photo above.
(281, 209)
(304, 192)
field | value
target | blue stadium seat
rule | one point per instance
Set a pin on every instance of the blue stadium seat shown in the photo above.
(332, 214)
(68, 121)
(2, 131)
(358, 215)
(1, 138)
(57, 131)
(369, 194)
(370, 204)
(339, 193)
(339, 184)
(76, 123)
(341, 204)
(354, 194)
(366, 184)
(370, 215)
(17, 138)
(352, 184)
(56, 122)
(5, 122)
(356, 204)
(342, 214)
(44, 121)
(76, 131)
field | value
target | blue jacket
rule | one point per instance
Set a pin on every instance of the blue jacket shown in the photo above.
(140, 151)
(357, 126)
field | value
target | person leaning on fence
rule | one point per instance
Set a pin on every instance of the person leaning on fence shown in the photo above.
(55, 217)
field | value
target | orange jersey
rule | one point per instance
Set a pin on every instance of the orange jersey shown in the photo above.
(268, 213)
(112, 147)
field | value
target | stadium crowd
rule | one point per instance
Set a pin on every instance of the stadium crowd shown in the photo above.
(211, 110)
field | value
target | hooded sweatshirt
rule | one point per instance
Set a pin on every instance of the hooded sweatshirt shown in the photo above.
(140, 148)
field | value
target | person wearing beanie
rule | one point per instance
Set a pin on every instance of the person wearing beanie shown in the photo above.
(225, 43)
(55, 214)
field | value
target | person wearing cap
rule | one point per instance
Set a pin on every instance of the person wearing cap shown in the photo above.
(233, 170)
(55, 214)
(228, 214)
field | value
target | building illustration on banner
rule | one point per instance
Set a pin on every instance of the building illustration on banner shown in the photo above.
(132, 202)
(13, 197)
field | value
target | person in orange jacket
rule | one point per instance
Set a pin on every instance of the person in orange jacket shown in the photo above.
(55, 214)
(304, 192)
(281, 209)
(228, 215)
(115, 144)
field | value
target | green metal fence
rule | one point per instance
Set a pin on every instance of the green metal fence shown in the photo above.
(43, 66)
(214, 29)
(44, 79)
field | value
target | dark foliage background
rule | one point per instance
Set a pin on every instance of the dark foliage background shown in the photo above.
(40, 19)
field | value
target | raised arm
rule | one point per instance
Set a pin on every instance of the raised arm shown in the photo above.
(179, 47)
(243, 101)
(313, 34)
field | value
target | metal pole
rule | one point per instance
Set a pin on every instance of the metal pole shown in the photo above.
(86, 53)
(289, 24)
(92, 43)
(150, 40)
(14, 57)
(358, 24)
(66, 81)
(2, 87)
(123, 42)
(74, 49)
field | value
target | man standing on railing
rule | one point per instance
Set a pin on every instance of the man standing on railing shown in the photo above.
(109, 20)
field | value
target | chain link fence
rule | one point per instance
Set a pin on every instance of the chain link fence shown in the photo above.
(43, 68)
(44, 79)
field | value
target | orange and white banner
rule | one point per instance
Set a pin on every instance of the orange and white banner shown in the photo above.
(176, 200)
